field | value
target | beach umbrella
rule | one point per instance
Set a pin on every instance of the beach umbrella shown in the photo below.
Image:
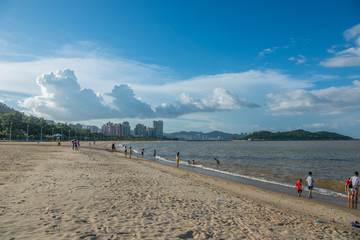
(57, 135)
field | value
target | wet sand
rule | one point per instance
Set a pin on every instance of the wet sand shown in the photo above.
(52, 192)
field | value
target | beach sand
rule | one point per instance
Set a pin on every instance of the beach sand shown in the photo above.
(53, 192)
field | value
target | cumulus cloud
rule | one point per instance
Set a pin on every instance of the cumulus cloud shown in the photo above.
(333, 100)
(350, 56)
(219, 100)
(126, 103)
(63, 99)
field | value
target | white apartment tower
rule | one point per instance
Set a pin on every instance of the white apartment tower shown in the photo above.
(158, 129)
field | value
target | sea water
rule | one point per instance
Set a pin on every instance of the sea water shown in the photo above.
(277, 162)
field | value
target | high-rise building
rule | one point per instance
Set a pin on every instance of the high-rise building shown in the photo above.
(118, 129)
(139, 130)
(108, 128)
(126, 129)
(158, 129)
(93, 129)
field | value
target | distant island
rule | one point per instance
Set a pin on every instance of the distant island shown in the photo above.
(296, 135)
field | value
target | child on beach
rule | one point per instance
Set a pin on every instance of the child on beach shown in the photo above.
(348, 190)
(299, 187)
(177, 159)
(130, 151)
(310, 182)
(125, 151)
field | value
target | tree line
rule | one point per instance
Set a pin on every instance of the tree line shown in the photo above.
(19, 127)
(296, 135)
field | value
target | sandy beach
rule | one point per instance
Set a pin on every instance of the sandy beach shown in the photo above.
(53, 192)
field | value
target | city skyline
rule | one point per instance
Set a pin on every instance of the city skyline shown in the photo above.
(231, 66)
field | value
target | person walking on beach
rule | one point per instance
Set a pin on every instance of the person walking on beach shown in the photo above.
(299, 187)
(154, 155)
(177, 159)
(355, 190)
(216, 161)
(113, 149)
(76, 144)
(130, 151)
(142, 152)
(125, 151)
(310, 182)
(348, 190)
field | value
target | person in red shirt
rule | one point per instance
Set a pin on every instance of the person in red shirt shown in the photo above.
(348, 190)
(299, 187)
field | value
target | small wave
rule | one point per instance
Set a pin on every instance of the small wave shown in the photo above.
(199, 166)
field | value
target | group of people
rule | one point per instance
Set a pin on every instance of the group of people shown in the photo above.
(310, 183)
(126, 151)
(177, 158)
(75, 144)
(351, 187)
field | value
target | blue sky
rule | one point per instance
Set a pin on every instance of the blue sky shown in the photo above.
(233, 66)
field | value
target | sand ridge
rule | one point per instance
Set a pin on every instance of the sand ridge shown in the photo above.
(52, 192)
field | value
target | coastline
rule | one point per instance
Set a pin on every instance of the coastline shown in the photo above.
(55, 192)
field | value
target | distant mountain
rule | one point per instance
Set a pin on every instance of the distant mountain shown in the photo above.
(5, 109)
(215, 135)
(295, 136)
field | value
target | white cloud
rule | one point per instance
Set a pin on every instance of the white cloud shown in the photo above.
(353, 32)
(63, 99)
(299, 59)
(267, 51)
(333, 100)
(219, 100)
(252, 85)
(350, 57)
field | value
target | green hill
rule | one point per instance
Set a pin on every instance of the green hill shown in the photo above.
(296, 135)
(5, 109)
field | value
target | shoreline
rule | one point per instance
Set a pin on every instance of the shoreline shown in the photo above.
(55, 192)
(320, 194)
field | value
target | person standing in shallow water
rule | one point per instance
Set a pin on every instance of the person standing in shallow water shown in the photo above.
(310, 182)
(154, 155)
(177, 159)
(355, 190)
(299, 187)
